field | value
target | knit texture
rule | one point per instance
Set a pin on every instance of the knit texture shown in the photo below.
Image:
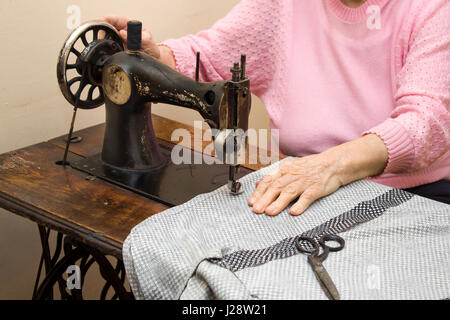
(397, 246)
(328, 73)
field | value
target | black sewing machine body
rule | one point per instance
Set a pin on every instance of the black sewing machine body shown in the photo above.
(129, 81)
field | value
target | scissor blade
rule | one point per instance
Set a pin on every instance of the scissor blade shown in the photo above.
(324, 279)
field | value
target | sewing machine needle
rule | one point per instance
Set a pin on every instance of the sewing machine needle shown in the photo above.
(233, 185)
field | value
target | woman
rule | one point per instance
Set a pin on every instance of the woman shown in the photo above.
(356, 88)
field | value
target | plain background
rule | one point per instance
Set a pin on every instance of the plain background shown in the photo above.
(33, 110)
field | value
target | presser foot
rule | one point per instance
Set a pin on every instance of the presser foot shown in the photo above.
(234, 186)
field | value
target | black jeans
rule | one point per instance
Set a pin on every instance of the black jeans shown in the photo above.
(439, 191)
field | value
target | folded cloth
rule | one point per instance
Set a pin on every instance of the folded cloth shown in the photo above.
(214, 247)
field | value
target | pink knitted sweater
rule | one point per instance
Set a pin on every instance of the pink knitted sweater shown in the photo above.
(328, 74)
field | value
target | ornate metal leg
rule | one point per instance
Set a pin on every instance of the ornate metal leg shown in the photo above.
(56, 269)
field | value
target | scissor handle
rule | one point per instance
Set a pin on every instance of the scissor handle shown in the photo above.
(313, 243)
(322, 241)
(332, 237)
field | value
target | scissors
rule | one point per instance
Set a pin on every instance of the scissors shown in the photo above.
(315, 260)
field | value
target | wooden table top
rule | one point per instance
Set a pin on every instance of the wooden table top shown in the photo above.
(96, 212)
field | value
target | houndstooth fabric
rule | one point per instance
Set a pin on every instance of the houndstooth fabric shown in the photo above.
(214, 247)
(363, 212)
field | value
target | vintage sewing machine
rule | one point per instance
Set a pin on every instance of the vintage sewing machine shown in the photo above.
(93, 68)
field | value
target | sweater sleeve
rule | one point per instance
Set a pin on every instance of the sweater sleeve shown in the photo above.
(249, 28)
(418, 131)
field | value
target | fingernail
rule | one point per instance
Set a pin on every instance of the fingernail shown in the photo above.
(257, 209)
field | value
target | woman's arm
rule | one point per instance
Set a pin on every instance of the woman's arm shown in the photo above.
(418, 131)
(416, 134)
(319, 175)
(250, 28)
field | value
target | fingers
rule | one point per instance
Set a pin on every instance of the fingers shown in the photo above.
(275, 195)
(123, 35)
(262, 185)
(306, 199)
(309, 178)
(149, 46)
(269, 196)
(119, 22)
(284, 184)
(285, 198)
(147, 36)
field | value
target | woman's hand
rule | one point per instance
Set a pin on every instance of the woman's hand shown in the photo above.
(149, 46)
(311, 178)
(316, 176)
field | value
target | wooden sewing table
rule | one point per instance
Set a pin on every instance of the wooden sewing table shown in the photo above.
(91, 217)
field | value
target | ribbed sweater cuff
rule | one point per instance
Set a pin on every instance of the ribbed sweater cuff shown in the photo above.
(184, 61)
(399, 144)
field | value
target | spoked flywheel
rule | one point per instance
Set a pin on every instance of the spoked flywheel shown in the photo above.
(81, 60)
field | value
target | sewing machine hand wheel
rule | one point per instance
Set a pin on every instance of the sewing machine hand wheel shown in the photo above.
(90, 45)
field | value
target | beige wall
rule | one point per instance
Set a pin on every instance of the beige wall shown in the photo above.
(33, 110)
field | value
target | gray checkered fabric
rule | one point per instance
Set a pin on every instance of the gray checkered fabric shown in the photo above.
(214, 247)
(363, 212)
